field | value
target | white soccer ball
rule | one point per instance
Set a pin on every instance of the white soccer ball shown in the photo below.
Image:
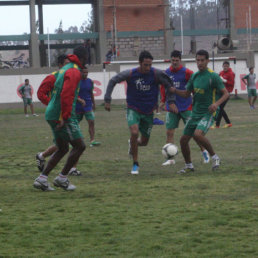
(169, 150)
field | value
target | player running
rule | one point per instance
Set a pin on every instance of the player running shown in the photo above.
(60, 115)
(208, 93)
(183, 106)
(142, 95)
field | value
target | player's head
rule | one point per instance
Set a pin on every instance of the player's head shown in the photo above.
(61, 60)
(27, 81)
(84, 72)
(251, 69)
(226, 66)
(175, 58)
(81, 53)
(145, 60)
(202, 59)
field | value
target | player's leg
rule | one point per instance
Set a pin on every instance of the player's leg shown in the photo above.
(254, 97)
(25, 107)
(224, 114)
(172, 122)
(201, 130)
(249, 91)
(90, 117)
(41, 182)
(73, 133)
(41, 156)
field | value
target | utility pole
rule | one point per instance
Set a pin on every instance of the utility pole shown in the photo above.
(192, 26)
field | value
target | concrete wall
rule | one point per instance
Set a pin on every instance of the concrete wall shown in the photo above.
(10, 80)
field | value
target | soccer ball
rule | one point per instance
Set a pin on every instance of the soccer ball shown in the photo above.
(169, 150)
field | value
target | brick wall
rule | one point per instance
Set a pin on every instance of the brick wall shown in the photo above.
(135, 15)
(241, 8)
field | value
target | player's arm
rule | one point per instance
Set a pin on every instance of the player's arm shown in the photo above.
(81, 101)
(244, 79)
(162, 97)
(219, 85)
(21, 91)
(225, 95)
(72, 78)
(45, 89)
(92, 97)
(123, 76)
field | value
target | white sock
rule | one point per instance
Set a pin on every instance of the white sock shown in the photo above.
(72, 169)
(62, 177)
(215, 156)
(41, 156)
(189, 165)
(43, 177)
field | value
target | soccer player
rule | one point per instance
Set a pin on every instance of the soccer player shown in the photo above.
(25, 91)
(183, 106)
(228, 78)
(60, 115)
(209, 93)
(85, 106)
(142, 95)
(249, 81)
(44, 95)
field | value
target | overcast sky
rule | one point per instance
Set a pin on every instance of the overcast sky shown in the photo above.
(14, 20)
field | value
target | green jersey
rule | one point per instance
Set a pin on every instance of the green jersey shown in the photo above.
(54, 110)
(206, 86)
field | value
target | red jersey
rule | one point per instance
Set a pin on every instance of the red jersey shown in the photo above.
(230, 77)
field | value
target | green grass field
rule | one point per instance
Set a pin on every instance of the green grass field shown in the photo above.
(158, 213)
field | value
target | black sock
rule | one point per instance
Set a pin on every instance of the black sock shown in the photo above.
(136, 163)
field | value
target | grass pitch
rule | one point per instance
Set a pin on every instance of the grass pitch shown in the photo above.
(114, 214)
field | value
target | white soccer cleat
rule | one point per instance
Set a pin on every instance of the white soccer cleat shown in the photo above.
(63, 183)
(169, 162)
(215, 163)
(42, 184)
(74, 172)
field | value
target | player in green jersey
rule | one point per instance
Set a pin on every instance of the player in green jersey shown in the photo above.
(60, 115)
(208, 93)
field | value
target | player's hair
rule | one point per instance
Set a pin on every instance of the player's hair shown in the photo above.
(176, 53)
(80, 52)
(226, 62)
(202, 52)
(145, 55)
(26, 80)
(251, 68)
(61, 59)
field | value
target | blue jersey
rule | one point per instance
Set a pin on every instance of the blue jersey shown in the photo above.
(180, 80)
(142, 91)
(85, 93)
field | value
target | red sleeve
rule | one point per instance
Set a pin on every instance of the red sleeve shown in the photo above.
(188, 74)
(162, 94)
(230, 82)
(72, 78)
(45, 88)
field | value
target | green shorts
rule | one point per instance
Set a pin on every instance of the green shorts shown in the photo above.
(69, 132)
(252, 93)
(202, 123)
(144, 122)
(172, 119)
(27, 101)
(88, 116)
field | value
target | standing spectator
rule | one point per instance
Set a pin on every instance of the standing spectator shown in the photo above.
(26, 92)
(228, 78)
(249, 81)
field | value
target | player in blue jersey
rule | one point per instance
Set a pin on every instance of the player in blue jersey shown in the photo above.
(142, 95)
(180, 76)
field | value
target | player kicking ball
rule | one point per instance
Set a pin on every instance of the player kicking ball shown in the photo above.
(206, 86)
(142, 97)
